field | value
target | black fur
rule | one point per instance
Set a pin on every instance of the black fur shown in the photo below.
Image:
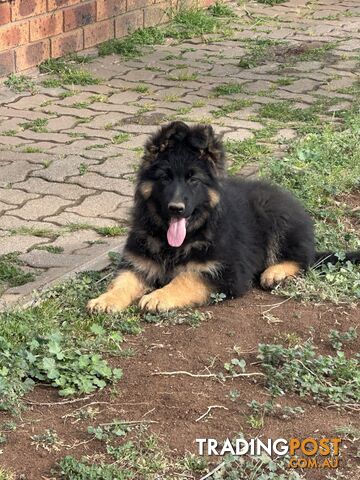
(242, 227)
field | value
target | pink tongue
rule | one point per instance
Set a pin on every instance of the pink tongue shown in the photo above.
(176, 232)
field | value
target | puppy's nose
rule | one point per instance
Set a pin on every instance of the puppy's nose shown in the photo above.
(176, 207)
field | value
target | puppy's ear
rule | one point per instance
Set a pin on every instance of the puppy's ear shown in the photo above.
(203, 138)
(160, 141)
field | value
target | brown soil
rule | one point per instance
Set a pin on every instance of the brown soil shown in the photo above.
(176, 402)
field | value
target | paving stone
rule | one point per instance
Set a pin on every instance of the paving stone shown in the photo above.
(14, 196)
(66, 218)
(74, 241)
(61, 168)
(239, 135)
(40, 207)
(15, 172)
(44, 259)
(114, 167)
(44, 187)
(102, 204)
(108, 184)
(285, 134)
(9, 222)
(19, 243)
(302, 86)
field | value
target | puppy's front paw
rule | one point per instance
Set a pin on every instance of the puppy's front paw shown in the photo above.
(108, 302)
(157, 301)
(278, 273)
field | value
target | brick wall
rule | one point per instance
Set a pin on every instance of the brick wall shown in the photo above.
(34, 30)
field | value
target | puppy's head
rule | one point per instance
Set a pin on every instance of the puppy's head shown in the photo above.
(179, 177)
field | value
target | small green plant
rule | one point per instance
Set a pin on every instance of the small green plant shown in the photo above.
(234, 394)
(235, 366)
(271, 2)
(220, 9)
(228, 89)
(330, 379)
(38, 125)
(243, 152)
(11, 273)
(184, 76)
(130, 46)
(337, 339)
(31, 150)
(257, 52)
(285, 112)
(141, 88)
(120, 138)
(114, 231)
(83, 168)
(217, 297)
(49, 441)
(67, 73)
(50, 248)
(20, 83)
(231, 107)
(192, 22)
(6, 474)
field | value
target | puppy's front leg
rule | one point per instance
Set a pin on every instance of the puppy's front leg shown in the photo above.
(185, 290)
(122, 292)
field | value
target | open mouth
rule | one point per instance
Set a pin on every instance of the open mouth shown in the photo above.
(177, 231)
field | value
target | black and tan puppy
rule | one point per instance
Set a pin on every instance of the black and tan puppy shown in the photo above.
(194, 231)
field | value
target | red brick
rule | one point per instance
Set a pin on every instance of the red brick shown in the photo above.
(79, 16)
(136, 4)
(98, 33)
(125, 24)
(53, 4)
(110, 8)
(46, 26)
(7, 63)
(67, 43)
(156, 15)
(27, 8)
(30, 55)
(4, 13)
(14, 35)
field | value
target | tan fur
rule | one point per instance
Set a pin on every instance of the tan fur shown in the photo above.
(211, 268)
(147, 267)
(184, 290)
(279, 272)
(146, 189)
(214, 197)
(122, 292)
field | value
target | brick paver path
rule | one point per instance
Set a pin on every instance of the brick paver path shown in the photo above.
(78, 173)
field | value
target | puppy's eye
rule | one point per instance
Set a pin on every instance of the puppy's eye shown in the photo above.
(190, 176)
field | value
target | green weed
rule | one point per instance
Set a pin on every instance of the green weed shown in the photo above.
(228, 89)
(31, 150)
(231, 107)
(54, 342)
(130, 46)
(193, 22)
(67, 73)
(11, 273)
(328, 379)
(50, 249)
(285, 112)
(38, 125)
(338, 338)
(257, 52)
(113, 231)
(244, 152)
(220, 9)
(20, 83)
(120, 138)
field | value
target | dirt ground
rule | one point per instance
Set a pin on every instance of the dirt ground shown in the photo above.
(174, 403)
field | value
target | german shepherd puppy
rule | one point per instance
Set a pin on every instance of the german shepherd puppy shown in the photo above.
(194, 231)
